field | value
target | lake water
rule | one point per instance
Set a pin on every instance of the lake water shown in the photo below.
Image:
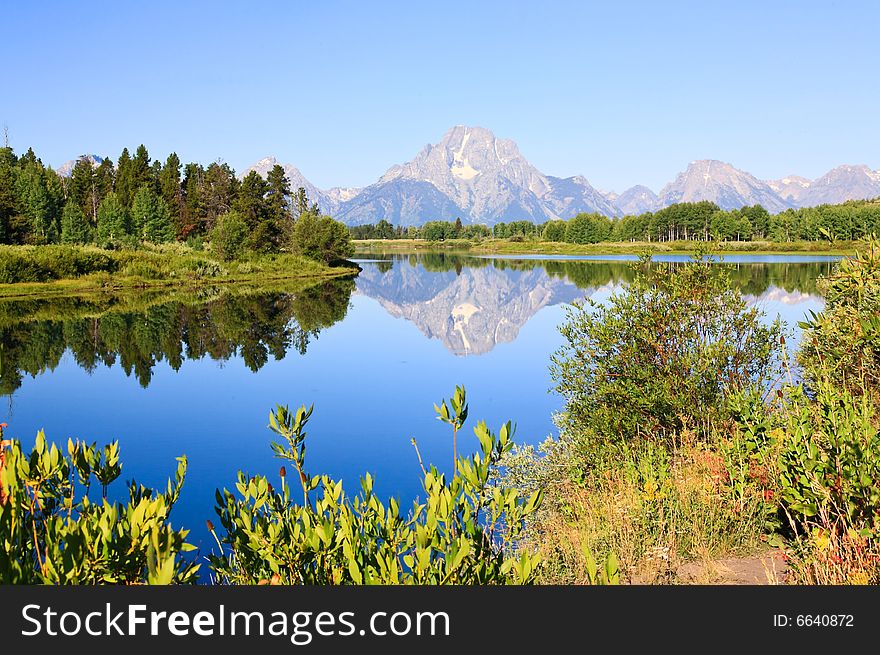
(198, 374)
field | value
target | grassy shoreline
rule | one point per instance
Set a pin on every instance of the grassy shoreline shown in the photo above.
(505, 247)
(104, 271)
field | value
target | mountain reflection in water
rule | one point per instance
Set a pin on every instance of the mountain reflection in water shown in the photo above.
(472, 304)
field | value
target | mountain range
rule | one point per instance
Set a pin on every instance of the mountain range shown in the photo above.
(473, 175)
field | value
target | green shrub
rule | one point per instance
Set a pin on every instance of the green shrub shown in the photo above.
(843, 342)
(143, 269)
(45, 263)
(461, 532)
(821, 460)
(662, 354)
(229, 236)
(829, 462)
(52, 533)
(321, 238)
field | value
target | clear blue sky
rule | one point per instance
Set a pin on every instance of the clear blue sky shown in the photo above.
(621, 92)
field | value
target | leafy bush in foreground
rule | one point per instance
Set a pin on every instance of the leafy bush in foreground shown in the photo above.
(52, 532)
(824, 458)
(461, 533)
(843, 342)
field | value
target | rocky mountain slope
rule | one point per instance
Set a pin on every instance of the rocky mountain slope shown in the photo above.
(473, 175)
(67, 167)
(480, 177)
(721, 183)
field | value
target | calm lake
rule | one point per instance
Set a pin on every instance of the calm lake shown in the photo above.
(168, 375)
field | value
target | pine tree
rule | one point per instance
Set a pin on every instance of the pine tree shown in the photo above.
(74, 226)
(55, 189)
(192, 212)
(81, 187)
(218, 192)
(150, 218)
(113, 221)
(8, 196)
(125, 186)
(278, 207)
(105, 179)
(301, 202)
(143, 207)
(37, 202)
(252, 207)
(29, 159)
(160, 229)
(171, 191)
(141, 171)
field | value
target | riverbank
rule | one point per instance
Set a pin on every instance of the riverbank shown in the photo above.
(43, 271)
(507, 247)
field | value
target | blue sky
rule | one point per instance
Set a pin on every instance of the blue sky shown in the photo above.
(621, 92)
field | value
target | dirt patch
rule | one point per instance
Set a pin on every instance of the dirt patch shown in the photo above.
(766, 569)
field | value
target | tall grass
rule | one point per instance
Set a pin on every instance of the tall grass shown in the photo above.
(655, 506)
(146, 265)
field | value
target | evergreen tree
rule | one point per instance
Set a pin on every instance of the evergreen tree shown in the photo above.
(55, 189)
(113, 221)
(37, 202)
(8, 196)
(74, 225)
(170, 189)
(218, 192)
(301, 202)
(125, 186)
(82, 188)
(143, 211)
(29, 159)
(278, 193)
(104, 181)
(252, 207)
(141, 171)
(160, 227)
(192, 212)
(278, 207)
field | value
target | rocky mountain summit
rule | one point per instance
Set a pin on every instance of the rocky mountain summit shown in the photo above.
(721, 183)
(476, 176)
(67, 167)
(480, 178)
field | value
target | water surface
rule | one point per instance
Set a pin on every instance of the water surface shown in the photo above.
(198, 374)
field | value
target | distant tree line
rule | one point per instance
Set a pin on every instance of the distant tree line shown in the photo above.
(140, 199)
(687, 221)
